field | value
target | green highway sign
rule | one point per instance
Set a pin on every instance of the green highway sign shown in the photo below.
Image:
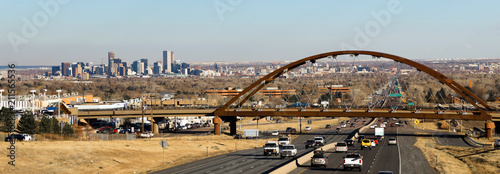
(411, 104)
(395, 95)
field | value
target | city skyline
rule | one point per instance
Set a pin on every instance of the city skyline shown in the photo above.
(213, 31)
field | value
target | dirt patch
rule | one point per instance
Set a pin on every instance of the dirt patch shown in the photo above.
(451, 159)
(120, 156)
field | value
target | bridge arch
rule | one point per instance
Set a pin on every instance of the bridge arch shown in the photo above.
(259, 84)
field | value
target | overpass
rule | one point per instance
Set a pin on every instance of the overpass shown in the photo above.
(232, 109)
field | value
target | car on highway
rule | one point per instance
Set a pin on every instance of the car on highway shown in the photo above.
(391, 141)
(288, 151)
(271, 147)
(238, 136)
(353, 160)
(385, 172)
(349, 142)
(374, 139)
(352, 124)
(497, 144)
(19, 137)
(311, 143)
(341, 147)
(319, 159)
(308, 128)
(343, 125)
(393, 124)
(275, 133)
(366, 143)
(338, 130)
(373, 126)
(283, 141)
(320, 141)
(291, 130)
(355, 120)
(328, 126)
(278, 120)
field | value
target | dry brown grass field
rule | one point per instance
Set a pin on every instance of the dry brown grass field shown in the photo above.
(120, 156)
(465, 160)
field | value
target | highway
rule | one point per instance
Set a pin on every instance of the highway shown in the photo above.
(381, 158)
(253, 160)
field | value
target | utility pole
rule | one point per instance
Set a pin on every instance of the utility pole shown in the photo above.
(59, 102)
(142, 120)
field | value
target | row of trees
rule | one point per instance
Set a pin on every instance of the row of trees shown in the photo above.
(27, 124)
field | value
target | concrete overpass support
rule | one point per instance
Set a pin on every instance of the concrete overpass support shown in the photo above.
(217, 121)
(154, 124)
(489, 126)
(232, 125)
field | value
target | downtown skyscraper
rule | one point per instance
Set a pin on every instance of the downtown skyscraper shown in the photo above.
(168, 59)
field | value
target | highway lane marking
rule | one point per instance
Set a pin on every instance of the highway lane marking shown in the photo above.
(399, 150)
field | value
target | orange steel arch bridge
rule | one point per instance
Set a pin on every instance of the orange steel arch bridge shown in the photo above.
(229, 115)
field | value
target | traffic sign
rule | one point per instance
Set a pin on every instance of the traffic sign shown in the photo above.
(411, 104)
(395, 95)
(163, 143)
(417, 122)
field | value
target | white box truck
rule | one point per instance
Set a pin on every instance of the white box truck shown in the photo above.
(251, 133)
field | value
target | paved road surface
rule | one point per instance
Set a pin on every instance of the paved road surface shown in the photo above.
(253, 160)
(381, 158)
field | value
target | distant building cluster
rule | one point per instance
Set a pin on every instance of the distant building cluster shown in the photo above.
(170, 67)
(117, 68)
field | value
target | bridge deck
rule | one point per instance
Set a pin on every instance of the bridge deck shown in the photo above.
(308, 112)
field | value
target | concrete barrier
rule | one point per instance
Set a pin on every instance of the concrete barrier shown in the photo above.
(287, 168)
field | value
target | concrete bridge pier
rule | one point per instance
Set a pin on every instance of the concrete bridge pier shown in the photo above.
(154, 125)
(232, 125)
(489, 126)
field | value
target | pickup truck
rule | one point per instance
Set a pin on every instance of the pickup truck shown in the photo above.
(320, 141)
(366, 143)
(353, 160)
(283, 141)
(288, 150)
(146, 135)
(271, 147)
(341, 147)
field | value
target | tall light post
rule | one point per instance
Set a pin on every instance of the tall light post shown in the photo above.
(1, 98)
(58, 102)
(44, 95)
(33, 102)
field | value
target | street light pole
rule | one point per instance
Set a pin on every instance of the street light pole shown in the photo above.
(44, 96)
(59, 102)
(33, 102)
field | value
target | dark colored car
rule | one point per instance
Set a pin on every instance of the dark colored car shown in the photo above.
(352, 124)
(278, 120)
(310, 143)
(349, 142)
(292, 130)
(19, 137)
(238, 136)
(328, 126)
(355, 120)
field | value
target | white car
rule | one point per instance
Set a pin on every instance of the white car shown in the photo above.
(275, 133)
(26, 137)
(373, 126)
(343, 125)
(392, 141)
(308, 128)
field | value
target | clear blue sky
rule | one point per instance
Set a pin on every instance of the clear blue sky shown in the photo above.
(254, 30)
